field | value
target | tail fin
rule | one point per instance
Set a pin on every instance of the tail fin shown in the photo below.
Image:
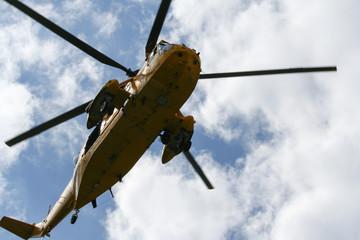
(22, 229)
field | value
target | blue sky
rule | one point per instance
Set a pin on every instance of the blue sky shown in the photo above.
(281, 151)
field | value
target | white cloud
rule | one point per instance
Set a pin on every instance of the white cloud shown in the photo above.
(78, 7)
(16, 100)
(33, 73)
(107, 23)
(171, 205)
(17, 103)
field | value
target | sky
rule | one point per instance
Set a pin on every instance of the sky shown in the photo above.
(281, 151)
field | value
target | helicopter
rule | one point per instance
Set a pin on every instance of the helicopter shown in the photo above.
(126, 118)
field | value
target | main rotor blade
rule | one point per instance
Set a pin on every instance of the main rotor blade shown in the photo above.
(68, 36)
(49, 124)
(267, 72)
(156, 28)
(197, 168)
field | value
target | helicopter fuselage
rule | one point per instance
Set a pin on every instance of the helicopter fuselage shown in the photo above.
(157, 92)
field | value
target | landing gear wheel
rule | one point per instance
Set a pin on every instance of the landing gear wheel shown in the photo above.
(165, 137)
(180, 144)
(107, 107)
(103, 107)
(74, 217)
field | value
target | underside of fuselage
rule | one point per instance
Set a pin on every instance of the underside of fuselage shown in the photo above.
(154, 99)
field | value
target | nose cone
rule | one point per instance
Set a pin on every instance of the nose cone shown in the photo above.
(187, 56)
(186, 65)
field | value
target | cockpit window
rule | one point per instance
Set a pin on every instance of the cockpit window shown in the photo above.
(164, 47)
(75, 159)
(152, 55)
(160, 49)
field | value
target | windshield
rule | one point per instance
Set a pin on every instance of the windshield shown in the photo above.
(76, 159)
(163, 47)
(160, 49)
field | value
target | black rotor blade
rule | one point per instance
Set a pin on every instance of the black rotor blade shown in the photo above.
(49, 124)
(197, 168)
(158, 23)
(267, 72)
(68, 36)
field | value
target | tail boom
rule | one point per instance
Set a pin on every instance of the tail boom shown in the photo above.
(21, 229)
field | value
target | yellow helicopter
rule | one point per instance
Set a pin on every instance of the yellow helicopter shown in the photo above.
(126, 118)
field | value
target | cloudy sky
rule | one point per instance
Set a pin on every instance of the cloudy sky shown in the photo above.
(281, 151)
